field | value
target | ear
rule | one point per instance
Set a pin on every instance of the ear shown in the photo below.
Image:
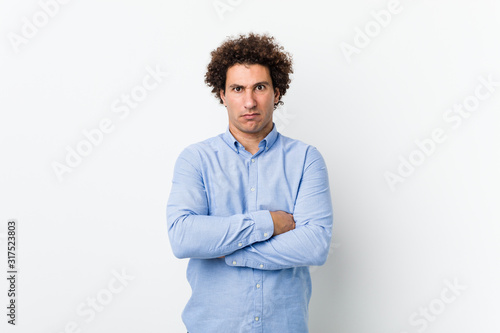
(222, 96)
(276, 95)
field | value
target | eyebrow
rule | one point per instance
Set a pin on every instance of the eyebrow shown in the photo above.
(234, 85)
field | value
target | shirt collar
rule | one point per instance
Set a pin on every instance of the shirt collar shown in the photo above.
(266, 143)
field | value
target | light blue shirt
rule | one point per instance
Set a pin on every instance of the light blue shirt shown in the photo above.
(220, 204)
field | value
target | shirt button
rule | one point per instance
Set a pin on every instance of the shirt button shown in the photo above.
(256, 318)
(261, 266)
(265, 234)
(240, 244)
(258, 286)
(234, 262)
(252, 189)
(253, 160)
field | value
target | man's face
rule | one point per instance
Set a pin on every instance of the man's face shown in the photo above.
(249, 99)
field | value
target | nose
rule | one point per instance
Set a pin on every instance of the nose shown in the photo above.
(249, 100)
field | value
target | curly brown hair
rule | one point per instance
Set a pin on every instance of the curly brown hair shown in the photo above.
(249, 50)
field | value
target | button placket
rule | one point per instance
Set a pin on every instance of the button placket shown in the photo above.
(252, 183)
(258, 277)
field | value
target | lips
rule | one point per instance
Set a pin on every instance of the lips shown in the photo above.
(250, 115)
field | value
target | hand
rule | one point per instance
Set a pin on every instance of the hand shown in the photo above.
(283, 222)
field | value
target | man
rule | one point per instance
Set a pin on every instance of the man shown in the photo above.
(250, 207)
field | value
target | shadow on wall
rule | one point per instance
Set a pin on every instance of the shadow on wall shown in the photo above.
(326, 301)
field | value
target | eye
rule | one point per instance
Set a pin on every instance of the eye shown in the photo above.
(237, 89)
(260, 87)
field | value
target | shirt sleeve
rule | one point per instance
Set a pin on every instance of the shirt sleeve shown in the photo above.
(309, 243)
(195, 234)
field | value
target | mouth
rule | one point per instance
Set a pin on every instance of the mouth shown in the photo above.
(250, 115)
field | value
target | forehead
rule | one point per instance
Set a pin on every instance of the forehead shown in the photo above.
(243, 74)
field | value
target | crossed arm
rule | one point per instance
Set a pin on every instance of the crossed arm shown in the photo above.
(262, 239)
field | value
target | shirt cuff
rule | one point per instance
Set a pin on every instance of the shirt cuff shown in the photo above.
(264, 226)
(238, 259)
(264, 229)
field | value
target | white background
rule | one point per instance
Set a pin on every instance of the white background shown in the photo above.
(393, 249)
